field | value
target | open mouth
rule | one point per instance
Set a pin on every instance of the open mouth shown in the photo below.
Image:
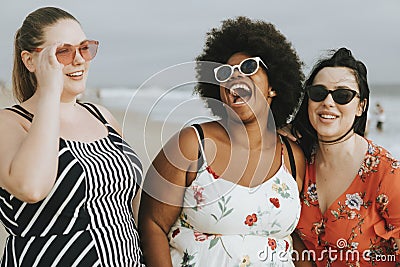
(328, 116)
(75, 74)
(239, 93)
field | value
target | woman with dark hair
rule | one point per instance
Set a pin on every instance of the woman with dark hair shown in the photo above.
(350, 201)
(226, 192)
(67, 177)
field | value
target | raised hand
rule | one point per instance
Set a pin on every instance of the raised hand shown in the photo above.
(48, 71)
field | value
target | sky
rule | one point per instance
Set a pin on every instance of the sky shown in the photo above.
(141, 38)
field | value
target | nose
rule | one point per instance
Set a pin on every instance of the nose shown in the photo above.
(236, 73)
(328, 101)
(78, 59)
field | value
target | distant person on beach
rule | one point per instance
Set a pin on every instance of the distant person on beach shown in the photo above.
(67, 177)
(350, 213)
(379, 113)
(226, 192)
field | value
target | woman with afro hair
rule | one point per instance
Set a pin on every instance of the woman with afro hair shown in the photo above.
(226, 192)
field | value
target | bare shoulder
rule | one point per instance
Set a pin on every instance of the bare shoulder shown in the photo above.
(109, 117)
(13, 129)
(176, 157)
(188, 142)
(104, 111)
(212, 129)
(10, 121)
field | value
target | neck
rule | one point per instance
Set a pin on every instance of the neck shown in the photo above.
(66, 105)
(343, 138)
(331, 152)
(69, 105)
(254, 136)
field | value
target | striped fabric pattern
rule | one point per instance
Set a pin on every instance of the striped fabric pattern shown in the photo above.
(87, 218)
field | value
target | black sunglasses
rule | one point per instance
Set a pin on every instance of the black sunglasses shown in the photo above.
(341, 96)
(247, 67)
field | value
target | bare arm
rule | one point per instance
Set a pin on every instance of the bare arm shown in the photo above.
(29, 157)
(163, 194)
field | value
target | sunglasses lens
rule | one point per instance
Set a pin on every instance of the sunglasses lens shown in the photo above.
(88, 50)
(343, 96)
(223, 73)
(317, 93)
(249, 66)
(65, 54)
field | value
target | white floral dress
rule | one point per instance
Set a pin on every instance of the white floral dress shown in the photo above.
(225, 224)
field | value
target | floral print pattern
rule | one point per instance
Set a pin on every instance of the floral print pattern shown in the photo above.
(198, 196)
(318, 227)
(272, 243)
(211, 171)
(251, 219)
(354, 201)
(275, 202)
(364, 217)
(225, 224)
(187, 260)
(245, 262)
(312, 192)
(223, 207)
(175, 232)
(382, 201)
(281, 188)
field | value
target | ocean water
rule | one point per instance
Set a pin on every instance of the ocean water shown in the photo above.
(178, 105)
(389, 98)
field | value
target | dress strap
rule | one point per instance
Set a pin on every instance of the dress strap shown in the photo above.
(94, 111)
(291, 156)
(21, 111)
(200, 137)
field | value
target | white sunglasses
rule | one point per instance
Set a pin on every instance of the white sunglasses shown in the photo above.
(247, 67)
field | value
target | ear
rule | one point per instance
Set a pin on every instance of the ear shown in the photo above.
(361, 107)
(28, 60)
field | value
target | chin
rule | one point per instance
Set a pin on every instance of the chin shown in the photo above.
(76, 91)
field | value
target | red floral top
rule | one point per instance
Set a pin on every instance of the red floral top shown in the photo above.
(359, 228)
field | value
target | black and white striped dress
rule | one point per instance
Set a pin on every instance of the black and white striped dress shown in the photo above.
(87, 219)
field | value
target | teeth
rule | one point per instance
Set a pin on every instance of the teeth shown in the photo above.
(327, 116)
(76, 74)
(240, 85)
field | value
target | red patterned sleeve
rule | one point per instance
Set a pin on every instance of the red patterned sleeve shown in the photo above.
(388, 198)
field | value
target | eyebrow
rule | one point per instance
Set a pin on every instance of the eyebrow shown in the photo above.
(86, 40)
(343, 87)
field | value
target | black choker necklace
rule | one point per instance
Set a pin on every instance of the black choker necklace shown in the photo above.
(340, 139)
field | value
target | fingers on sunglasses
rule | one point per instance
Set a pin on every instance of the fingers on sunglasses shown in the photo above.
(66, 53)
